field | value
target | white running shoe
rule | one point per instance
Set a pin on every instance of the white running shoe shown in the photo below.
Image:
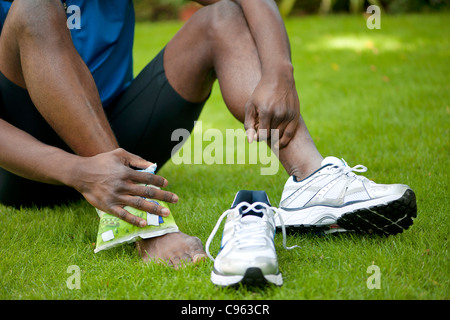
(334, 199)
(247, 253)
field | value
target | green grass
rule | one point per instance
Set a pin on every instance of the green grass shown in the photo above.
(375, 97)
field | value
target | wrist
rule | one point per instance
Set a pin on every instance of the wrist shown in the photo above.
(70, 171)
(279, 71)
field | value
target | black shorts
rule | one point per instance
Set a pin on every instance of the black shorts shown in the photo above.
(142, 117)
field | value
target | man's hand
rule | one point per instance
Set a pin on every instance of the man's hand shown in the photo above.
(274, 104)
(109, 183)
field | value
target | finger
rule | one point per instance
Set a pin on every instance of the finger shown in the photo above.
(277, 128)
(263, 133)
(287, 134)
(153, 193)
(128, 217)
(132, 160)
(250, 121)
(278, 117)
(148, 178)
(154, 207)
(251, 135)
(145, 205)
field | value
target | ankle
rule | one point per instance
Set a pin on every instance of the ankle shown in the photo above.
(301, 172)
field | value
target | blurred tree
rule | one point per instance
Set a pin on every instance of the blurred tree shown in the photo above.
(169, 9)
(288, 7)
(402, 6)
(157, 9)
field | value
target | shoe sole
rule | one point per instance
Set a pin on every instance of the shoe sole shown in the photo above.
(252, 277)
(388, 216)
(384, 219)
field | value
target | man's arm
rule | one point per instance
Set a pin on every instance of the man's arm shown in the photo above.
(25, 156)
(36, 52)
(104, 179)
(268, 31)
(274, 103)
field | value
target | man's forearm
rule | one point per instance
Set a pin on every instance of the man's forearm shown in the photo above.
(57, 79)
(27, 157)
(269, 33)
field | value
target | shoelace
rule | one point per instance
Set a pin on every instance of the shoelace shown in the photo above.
(249, 231)
(346, 169)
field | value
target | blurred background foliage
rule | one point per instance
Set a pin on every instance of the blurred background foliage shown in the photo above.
(154, 10)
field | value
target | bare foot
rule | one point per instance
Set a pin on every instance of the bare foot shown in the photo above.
(174, 248)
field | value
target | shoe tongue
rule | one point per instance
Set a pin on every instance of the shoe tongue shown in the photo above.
(332, 161)
(251, 212)
(250, 218)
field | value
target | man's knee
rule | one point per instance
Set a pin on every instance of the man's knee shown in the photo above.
(30, 21)
(36, 17)
(225, 15)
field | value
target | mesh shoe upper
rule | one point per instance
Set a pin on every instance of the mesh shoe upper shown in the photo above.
(335, 184)
(334, 199)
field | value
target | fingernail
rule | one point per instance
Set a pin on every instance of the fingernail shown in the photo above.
(250, 135)
(165, 212)
(142, 223)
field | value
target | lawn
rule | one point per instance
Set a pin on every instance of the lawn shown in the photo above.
(374, 97)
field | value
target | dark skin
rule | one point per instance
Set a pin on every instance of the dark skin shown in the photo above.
(243, 44)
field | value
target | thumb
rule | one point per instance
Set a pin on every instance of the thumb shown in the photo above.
(250, 121)
(133, 161)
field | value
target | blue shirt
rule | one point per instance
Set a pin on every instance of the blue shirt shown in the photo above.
(104, 41)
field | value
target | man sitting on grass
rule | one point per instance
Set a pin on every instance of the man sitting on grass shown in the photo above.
(74, 121)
